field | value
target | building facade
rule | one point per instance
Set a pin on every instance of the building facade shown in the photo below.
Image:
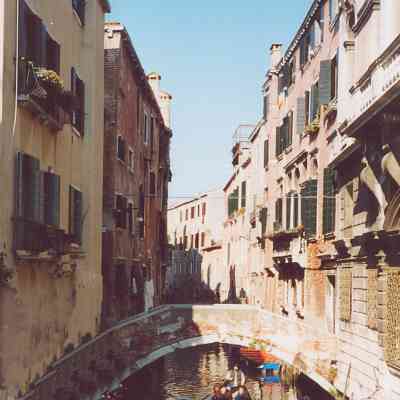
(312, 234)
(51, 124)
(195, 233)
(136, 176)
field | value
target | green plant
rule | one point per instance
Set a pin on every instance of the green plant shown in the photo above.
(50, 78)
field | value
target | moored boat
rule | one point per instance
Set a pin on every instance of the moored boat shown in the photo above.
(257, 356)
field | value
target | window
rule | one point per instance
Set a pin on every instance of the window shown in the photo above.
(79, 8)
(191, 241)
(197, 243)
(301, 115)
(204, 209)
(329, 202)
(309, 207)
(244, 194)
(314, 101)
(186, 214)
(44, 52)
(131, 160)
(78, 91)
(266, 153)
(295, 210)
(198, 210)
(180, 216)
(28, 188)
(284, 134)
(131, 225)
(146, 127)
(307, 107)
(292, 72)
(233, 202)
(141, 213)
(289, 198)
(152, 184)
(266, 107)
(121, 207)
(120, 148)
(334, 77)
(263, 220)
(75, 214)
(152, 124)
(305, 49)
(192, 212)
(203, 239)
(51, 192)
(278, 214)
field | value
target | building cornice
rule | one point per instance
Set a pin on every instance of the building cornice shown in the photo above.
(365, 13)
(299, 35)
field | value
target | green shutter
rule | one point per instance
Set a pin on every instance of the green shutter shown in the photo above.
(309, 207)
(243, 195)
(300, 115)
(78, 215)
(329, 202)
(325, 81)
(288, 210)
(51, 199)
(266, 153)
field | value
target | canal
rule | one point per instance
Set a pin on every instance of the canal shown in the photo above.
(191, 373)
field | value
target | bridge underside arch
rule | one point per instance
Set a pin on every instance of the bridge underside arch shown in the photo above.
(137, 342)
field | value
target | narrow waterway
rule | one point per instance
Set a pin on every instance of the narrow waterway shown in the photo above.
(191, 373)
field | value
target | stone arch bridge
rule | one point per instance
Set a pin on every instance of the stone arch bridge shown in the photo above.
(103, 362)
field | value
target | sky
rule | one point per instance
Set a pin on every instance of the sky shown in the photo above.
(213, 56)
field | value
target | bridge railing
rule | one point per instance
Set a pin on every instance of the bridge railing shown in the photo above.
(126, 347)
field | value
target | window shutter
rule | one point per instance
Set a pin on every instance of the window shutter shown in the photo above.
(278, 141)
(322, 21)
(81, 95)
(130, 217)
(309, 207)
(278, 212)
(329, 202)
(243, 198)
(301, 115)
(78, 214)
(51, 199)
(266, 153)
(312, 35)
(307, 106)
(290, 128)
(42, 50)
(23, 29)
(75, 214)
(19, 185)
(314, 101)
(54, 56)
(325, 80)
(33, 200)
(288, 210)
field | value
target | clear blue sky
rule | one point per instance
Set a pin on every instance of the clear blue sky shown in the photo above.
(213, 56)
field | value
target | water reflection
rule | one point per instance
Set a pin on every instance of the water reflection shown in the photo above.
(191, 374)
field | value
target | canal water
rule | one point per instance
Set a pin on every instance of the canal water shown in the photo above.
(191, 373)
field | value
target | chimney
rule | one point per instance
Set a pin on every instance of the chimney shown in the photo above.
(165, 106)
(163, 98)
(276, 54)
(154, 80)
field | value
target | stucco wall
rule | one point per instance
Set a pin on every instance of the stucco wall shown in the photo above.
(40, 314)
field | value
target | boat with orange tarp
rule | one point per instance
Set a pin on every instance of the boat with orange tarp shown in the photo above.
(257, 356)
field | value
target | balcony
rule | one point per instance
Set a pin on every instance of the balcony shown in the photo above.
(377, 88)
(43, 95)
(34, 240)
